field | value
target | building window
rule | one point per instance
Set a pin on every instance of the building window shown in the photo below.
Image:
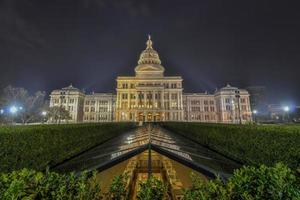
(174, 96)
(212, 109)
(211, 102)
(87, 103)
(227, 100)
(103, 102)
(92, 102)
(103, 109)
(243, 100)
(124, 85)
(71, 100)
(227, 108)
(206, 108)
(244, 107)
(124, 96)
(86, 109)
(205, 102)
(149, 96)
(71, 108)
(92, 109)
(157, 95)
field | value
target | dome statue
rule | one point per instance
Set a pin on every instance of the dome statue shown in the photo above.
(149, 63)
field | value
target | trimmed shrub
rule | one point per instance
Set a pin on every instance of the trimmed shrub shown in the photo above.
(152, 189)
(249, 183)
(37, 147)
(33, 185)
(250, 144)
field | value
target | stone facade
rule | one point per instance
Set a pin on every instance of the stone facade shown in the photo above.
(71, 99)
(199, 107)
(99, 107)
(149, 96)
(233, 105)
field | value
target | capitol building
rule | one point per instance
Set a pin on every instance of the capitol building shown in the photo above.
(150, 96)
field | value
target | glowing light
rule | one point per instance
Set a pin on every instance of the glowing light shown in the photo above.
(254, 111)
(20, 108)
(44, 113)
(13, 109)
(1, 111)
(286, 108)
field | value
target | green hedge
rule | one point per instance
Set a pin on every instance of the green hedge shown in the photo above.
(32, 185)
(249, 183)
(37, 147)
(250, 144)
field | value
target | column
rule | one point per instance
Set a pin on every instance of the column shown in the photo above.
(153, 99)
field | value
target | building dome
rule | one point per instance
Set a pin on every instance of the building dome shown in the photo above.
(228, 87)
(149, 63)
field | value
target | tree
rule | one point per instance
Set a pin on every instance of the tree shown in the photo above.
(152, 189)
(31, 105)
(57, 114)
(117, 190)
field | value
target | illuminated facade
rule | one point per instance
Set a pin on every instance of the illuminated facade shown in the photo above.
(149, 96)
(99, 107)
(71, 99)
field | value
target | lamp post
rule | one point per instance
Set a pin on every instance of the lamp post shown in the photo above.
(254, 115)
(237, 95)
(13, 110)
(44, 113)
(286, 109)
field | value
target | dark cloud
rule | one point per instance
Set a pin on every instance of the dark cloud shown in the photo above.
(15, 30)
(49, 44)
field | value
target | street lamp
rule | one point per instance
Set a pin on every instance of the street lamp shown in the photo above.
(286, 109)
(238, 96)
(44, 113)
(254, 115)
(13, 109)
(1, 111)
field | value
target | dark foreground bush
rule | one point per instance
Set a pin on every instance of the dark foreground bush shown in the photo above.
(37, 147)
(152, 189)
(251, 144)
(31, 185)
(249, 183)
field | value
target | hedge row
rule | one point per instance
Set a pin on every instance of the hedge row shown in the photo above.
(250, 144)
(37, 147)
(248, 183)
(33, 185)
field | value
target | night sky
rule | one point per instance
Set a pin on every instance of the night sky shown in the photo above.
(48, 44)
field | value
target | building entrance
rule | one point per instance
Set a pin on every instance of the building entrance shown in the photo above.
(149, 117)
